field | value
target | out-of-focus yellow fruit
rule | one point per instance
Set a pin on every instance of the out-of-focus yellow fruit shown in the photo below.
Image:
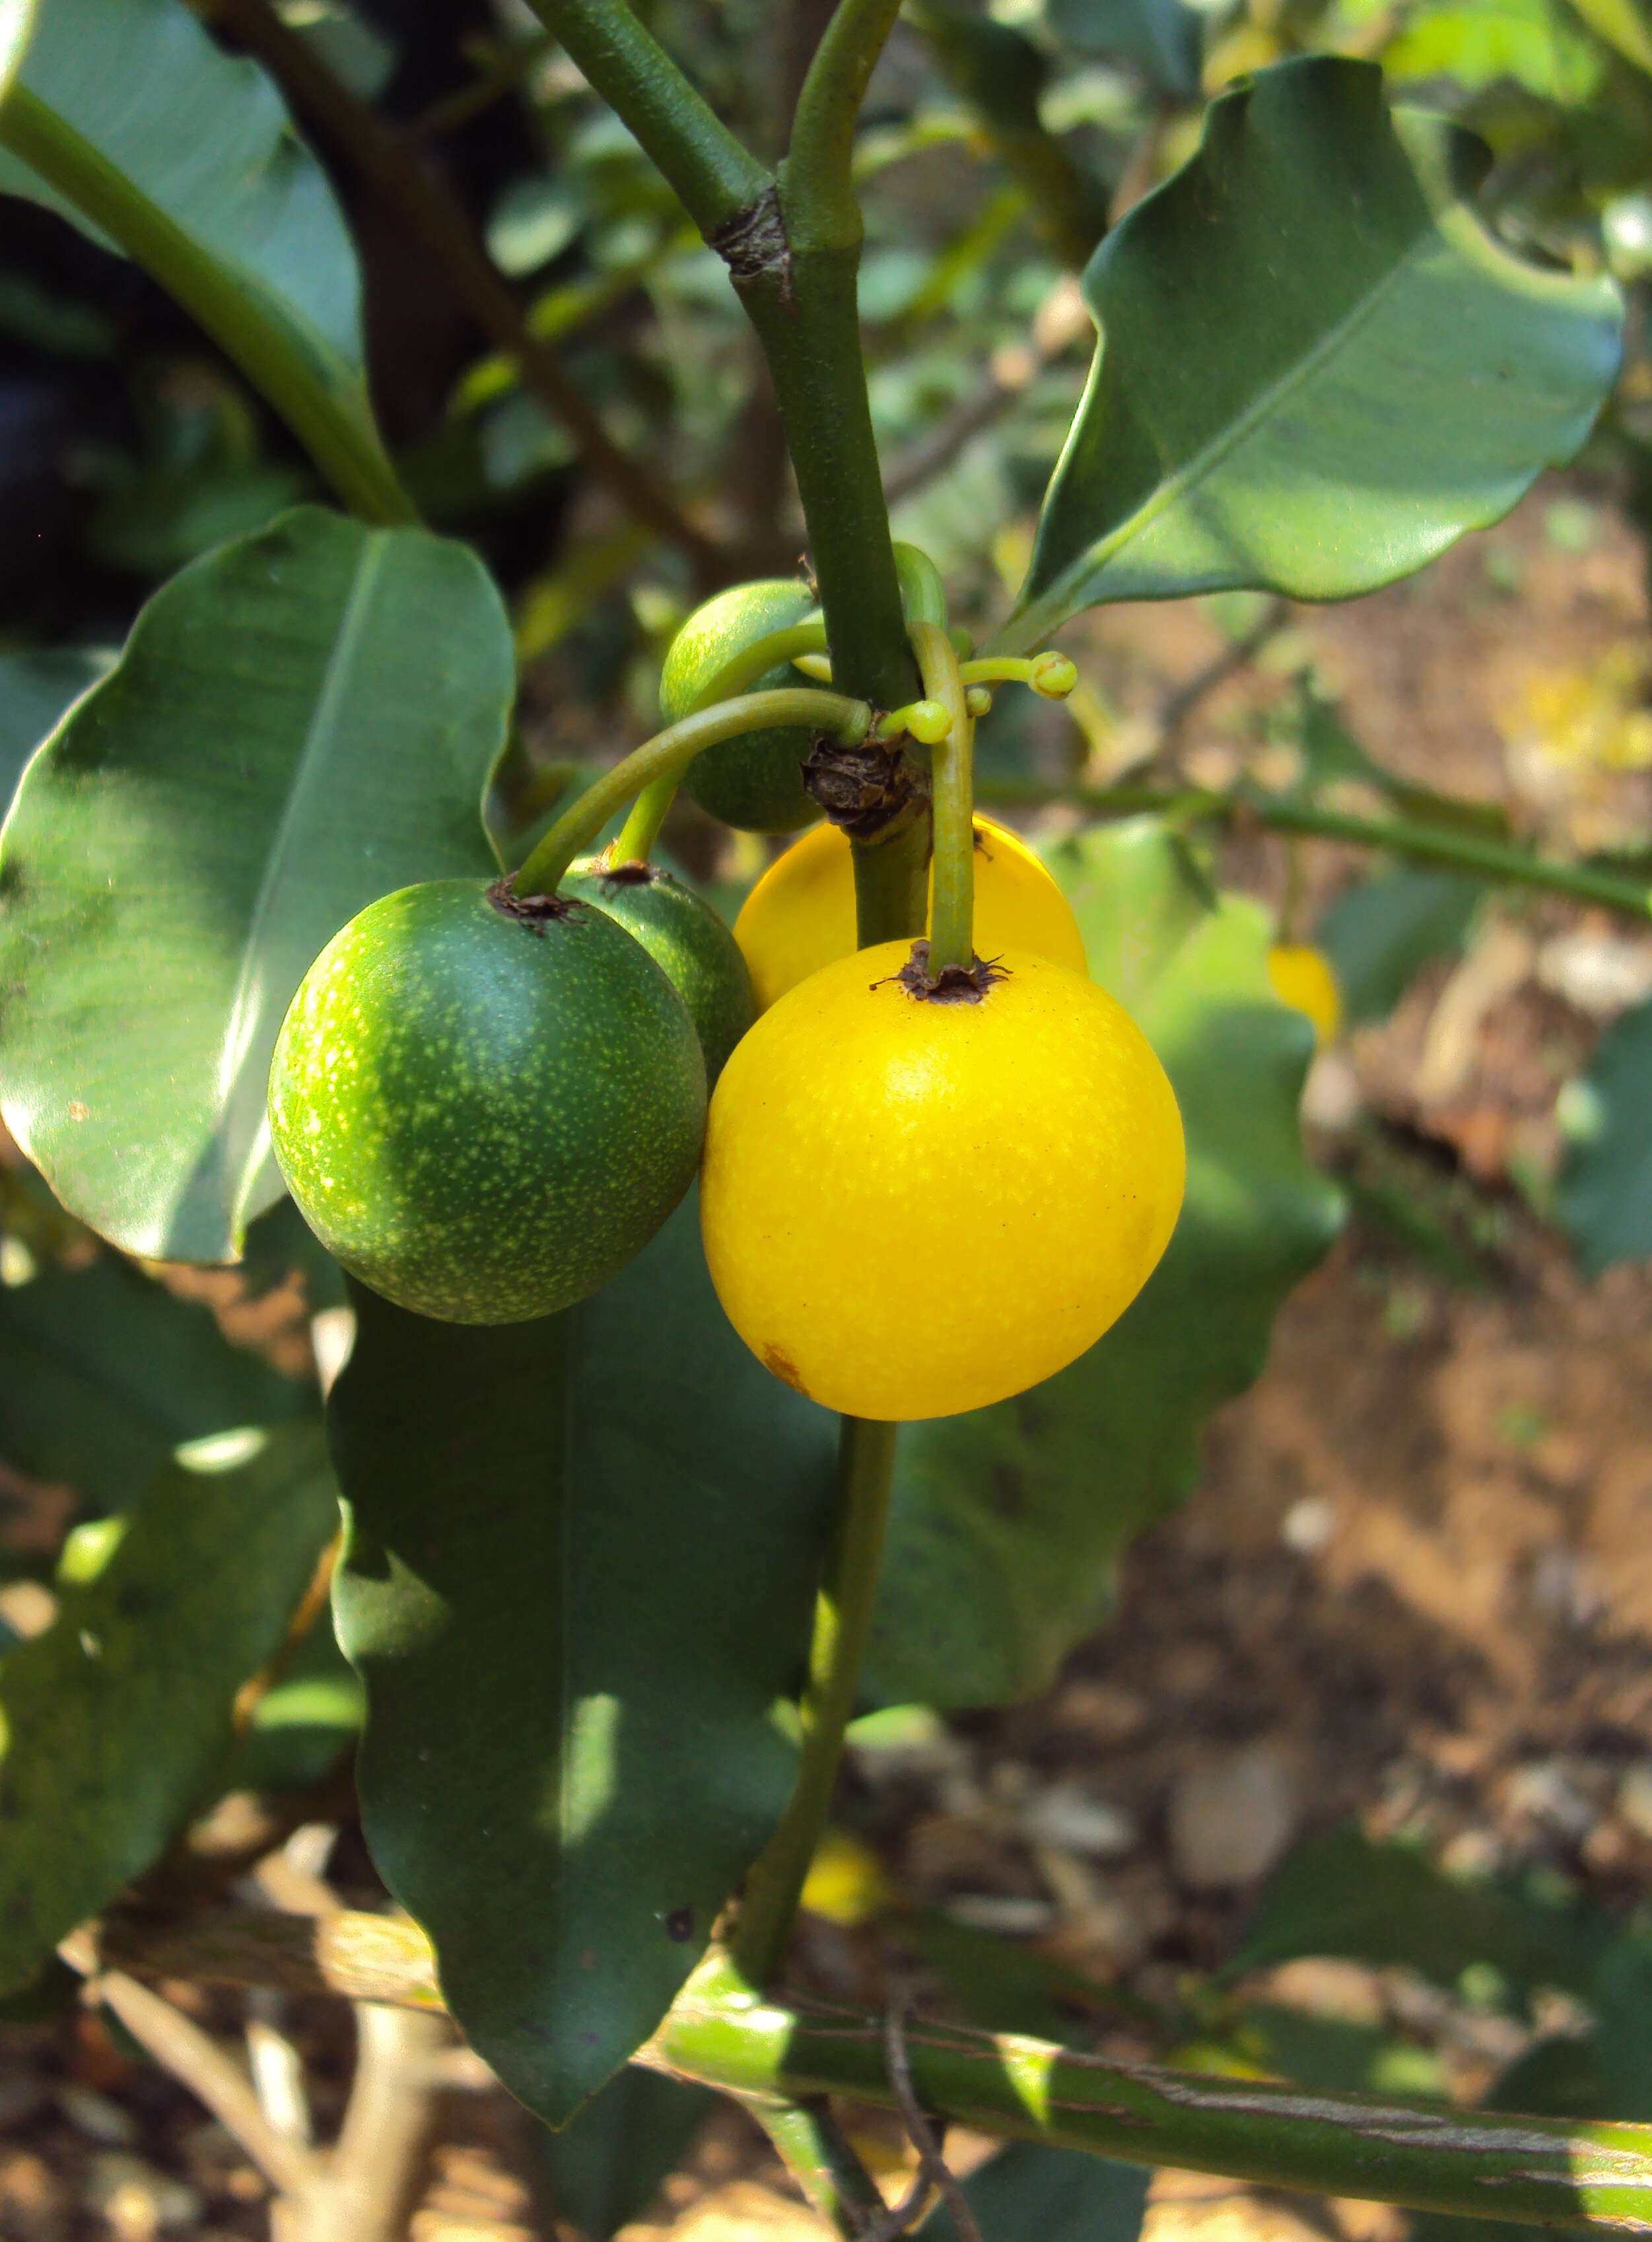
(845, 1884)
(1306, 979)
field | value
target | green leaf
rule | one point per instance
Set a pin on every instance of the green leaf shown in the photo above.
(1007, 1522)
(113, 1721)
(104, 1373)
(299, 723)
(126, 117)
(1381, 933)
(1164, 37)
(1387, 1905)
(34, 689)
(605, 2166)
(1603, 1201)
(1033, 2193)
(1318, 367)
(579, 1576)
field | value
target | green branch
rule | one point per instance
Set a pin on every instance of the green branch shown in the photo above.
(1499, 860)
(843, 1621)
(822, 211)
(716, 180)
(1534, 2171)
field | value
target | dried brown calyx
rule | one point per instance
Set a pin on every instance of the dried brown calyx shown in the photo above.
(863, 789)
(635, 874)
(953, 985)
(534, 912)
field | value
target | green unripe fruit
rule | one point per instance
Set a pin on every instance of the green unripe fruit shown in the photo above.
(694, 947)
(484, 1106)
(754, 782)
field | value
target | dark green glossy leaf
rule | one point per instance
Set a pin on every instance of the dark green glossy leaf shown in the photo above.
(1007, 1522)
(1033, 2193)
(127, 119)
(113, 1721)
(1318, 367)
(1603, 1201)
(299, 723)
(605, 2166)
(578, 1578)
(1388, 1904)
(104, 1373)
(1163, 37)
(1380, 934)
(34, 689)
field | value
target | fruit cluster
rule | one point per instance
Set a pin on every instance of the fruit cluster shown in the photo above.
(920, 1192)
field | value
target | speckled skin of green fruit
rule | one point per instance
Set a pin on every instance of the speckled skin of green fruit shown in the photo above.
(687, 940)
(753, 783)
(484, 1110)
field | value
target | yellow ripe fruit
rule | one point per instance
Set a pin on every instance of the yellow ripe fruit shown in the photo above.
(1304, 978)
(912, 1208)
(801, 914)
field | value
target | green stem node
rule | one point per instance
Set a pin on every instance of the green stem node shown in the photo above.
(952, 911)
(669, 754)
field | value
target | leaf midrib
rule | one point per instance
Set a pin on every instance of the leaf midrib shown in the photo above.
(308, 774)
(1210, 456)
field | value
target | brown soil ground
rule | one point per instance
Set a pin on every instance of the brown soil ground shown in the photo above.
(1416, 1581)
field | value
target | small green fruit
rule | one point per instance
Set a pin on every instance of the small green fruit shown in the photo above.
(754, 782)
(483, 1106)
(687, 940)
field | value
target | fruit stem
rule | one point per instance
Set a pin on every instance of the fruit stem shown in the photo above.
(669, 754)
(1051, 675)
(843, 1624)
(634, 841)
(641, 829)
(745, 668)
(923, 594)
(952, 912)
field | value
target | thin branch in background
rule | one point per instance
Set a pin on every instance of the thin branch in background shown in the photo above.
(932, 2166)
(380, 156)
(377, 2171)
(1061, 319)
(198, 2063)
(491, 83)
(1180, 702)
